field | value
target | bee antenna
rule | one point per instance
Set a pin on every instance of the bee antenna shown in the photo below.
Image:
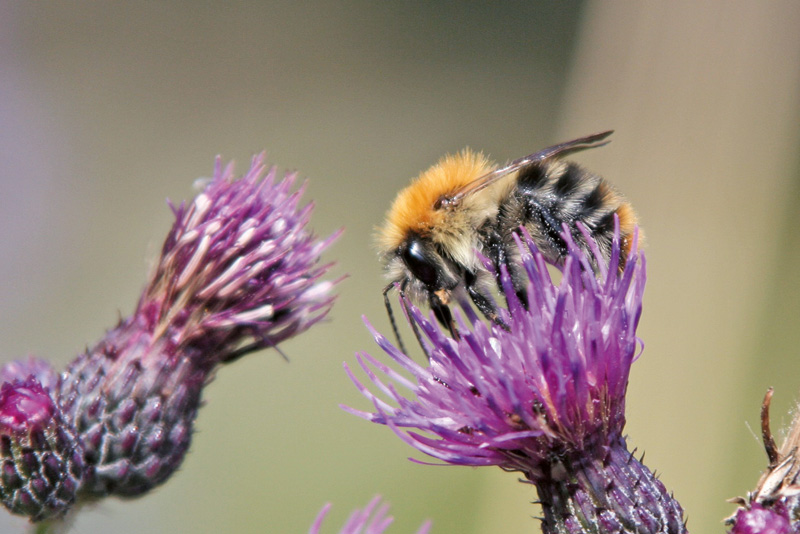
(390, 313)
(413, 323)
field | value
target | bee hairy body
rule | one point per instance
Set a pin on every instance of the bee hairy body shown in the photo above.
(463, 205)
(553, 194)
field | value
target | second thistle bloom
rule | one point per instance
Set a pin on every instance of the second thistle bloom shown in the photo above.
(545, 397)
(239, 271)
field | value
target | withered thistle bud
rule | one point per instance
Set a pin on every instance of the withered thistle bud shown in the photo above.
(774, 506)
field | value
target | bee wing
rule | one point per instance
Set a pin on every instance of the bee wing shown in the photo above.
(555, 151)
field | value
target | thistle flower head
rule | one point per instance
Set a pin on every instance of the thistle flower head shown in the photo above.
(545, 397)
(42, 465)
(554, 383)
(373, 519)
(239, 271)
(239, 267)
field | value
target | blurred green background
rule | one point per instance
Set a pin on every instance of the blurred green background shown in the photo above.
(107, 109)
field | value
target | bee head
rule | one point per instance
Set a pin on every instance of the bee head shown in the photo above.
(426, 276)
(421, 269)
(421, 262)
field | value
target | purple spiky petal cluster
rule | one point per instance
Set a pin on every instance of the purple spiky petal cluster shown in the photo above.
(555, 381)
(545, 397)
(373, 519)
(239, 271)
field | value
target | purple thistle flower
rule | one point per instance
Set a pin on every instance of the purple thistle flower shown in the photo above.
(546, 397)
(239, 272)
(42, 463)
(373, 519)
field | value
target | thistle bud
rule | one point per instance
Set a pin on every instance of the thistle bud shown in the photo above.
(42, 463)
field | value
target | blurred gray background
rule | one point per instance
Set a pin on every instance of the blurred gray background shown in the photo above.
(107, 109)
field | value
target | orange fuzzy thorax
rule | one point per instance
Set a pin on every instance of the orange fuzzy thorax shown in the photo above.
(413, 209)
(628, 222)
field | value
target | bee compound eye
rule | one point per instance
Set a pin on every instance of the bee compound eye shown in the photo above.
(420, 264)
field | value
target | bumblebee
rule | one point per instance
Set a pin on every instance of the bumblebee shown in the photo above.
(465, 204)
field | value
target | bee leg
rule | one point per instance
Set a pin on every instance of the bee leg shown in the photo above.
(518, 281)
(390, 313)
(443, 315)
(414, 328)
(548, 222)
(482, 302)
(496, 251)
